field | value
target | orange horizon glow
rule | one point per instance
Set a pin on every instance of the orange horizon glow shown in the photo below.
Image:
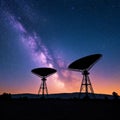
(58, 86)
(50, 91)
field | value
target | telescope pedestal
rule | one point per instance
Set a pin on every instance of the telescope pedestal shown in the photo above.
(43, 87)
(86, 85)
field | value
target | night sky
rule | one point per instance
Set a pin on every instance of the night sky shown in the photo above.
(54, 33)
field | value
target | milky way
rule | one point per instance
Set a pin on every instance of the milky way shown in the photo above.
(40, 53)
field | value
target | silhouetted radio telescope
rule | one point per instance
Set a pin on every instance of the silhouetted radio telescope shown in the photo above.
(84, 65)
(43, 73)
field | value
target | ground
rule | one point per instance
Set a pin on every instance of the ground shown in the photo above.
(59, 109)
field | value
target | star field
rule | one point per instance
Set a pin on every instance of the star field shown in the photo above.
(38, 33)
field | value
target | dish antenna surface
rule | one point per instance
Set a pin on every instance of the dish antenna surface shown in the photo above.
(43, 73)
(84, 65)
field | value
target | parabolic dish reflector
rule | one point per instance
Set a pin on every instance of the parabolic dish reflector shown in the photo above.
(44, 71)
(85, 63)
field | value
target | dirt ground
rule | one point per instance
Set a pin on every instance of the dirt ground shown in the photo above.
(59, 109)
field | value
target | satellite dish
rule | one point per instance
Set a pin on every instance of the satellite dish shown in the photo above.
(84, 65)
(43, 72)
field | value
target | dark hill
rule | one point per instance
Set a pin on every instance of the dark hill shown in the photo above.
(59, 109)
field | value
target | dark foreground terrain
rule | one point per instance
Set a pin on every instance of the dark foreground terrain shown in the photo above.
(59, 109)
